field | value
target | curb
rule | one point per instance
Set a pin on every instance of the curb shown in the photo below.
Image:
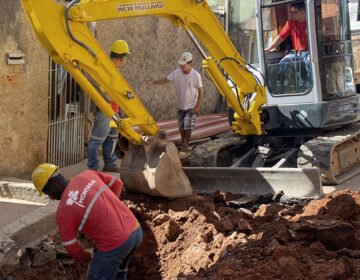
(27, 230)
(33, 226)
(23, 191)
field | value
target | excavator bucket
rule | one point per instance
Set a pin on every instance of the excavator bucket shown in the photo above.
(155, 169)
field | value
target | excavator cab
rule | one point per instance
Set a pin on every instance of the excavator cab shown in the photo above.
(314, 89)
(309, 88)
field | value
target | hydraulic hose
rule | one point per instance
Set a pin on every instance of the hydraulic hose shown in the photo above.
(72, 3)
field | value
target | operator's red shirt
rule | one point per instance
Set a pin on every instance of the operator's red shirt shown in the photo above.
(298, 32)
(90, 204)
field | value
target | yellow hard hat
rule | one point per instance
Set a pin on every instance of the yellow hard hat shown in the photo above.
(120, 47)
(42, 174)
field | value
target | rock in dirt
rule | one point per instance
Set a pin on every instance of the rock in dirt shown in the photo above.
(10, 254)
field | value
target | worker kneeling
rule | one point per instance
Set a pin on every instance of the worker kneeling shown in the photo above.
(90, 204)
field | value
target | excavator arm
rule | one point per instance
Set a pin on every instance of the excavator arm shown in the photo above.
(64, 33)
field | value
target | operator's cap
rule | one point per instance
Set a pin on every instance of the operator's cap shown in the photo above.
(185, 58)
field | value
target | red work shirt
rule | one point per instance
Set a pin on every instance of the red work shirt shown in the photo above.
(90, 204)
(298, 32)
(114, 106)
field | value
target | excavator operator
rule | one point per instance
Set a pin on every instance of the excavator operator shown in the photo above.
(90, 204)
(296, 27)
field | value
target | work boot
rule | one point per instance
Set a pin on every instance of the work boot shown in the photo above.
(111, 168)
(185, 149)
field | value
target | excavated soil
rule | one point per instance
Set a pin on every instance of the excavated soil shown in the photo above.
(225, 236)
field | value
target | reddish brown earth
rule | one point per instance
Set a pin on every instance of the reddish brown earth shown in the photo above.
(205, 238)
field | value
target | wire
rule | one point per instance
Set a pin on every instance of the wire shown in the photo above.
(227, 77)
(241, 66)
(246, 101)
(261, 74)
(72, 3)
(207, 76)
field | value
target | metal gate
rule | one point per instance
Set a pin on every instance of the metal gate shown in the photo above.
(66, 118)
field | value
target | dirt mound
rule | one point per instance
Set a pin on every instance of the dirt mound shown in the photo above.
(215, 237)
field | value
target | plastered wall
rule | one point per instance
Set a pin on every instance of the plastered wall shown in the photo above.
(356, 53)
(23, 94)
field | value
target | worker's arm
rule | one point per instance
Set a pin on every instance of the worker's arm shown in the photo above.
(112, 182)
(158, 82)
(285, 32)
(67, 231)
(278, 40)
(198, 103)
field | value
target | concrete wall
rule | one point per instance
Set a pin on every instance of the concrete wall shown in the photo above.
(155, 47)
(23, 94)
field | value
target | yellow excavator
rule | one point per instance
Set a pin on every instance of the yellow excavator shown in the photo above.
(266, 115)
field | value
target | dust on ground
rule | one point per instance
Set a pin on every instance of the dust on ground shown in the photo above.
(226, 236)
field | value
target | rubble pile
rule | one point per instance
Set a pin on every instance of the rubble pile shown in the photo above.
(226, 236)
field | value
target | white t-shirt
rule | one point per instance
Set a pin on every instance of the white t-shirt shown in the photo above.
(187, 86)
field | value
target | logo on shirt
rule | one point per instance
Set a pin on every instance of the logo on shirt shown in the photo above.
(73, 195)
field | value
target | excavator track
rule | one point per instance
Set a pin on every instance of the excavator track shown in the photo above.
(336, 154)
(212, 153)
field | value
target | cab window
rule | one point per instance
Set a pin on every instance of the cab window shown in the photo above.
(288, 63)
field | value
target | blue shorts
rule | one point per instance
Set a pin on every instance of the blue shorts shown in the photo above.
(186, 119)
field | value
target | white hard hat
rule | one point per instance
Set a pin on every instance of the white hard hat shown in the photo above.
(185, 58)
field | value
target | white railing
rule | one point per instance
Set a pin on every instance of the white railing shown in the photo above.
(66, 118)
